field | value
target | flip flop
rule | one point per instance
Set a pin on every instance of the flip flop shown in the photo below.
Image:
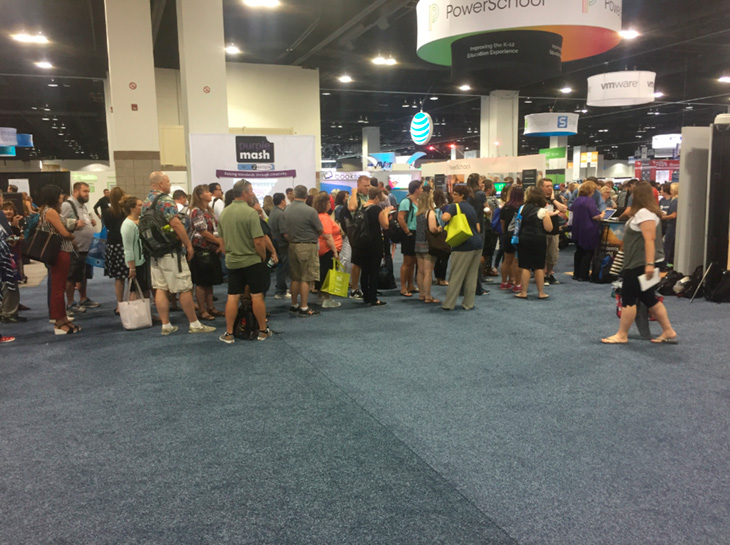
(520, 296)
(544, 297)
(207, 318)
(406, 294)
(217, 313)
(609, 340)
(431, 300)
(659, 340)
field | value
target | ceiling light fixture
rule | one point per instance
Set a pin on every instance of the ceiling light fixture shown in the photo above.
(233, 50)
(345, 79)
(262, 3)
(26, 38)
(465, 87)
(724, 79)
(326, 94)
(380, 60)
(44, 64)
(566, 90)
(53, 83)
(629, 34)
(405, 104)
(434, 98)
(658, 94)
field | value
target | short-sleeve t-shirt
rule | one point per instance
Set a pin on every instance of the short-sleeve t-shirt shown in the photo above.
(302, 222)
(506, 215)
(474, 242)
(239, 225)
(165, 204)
(329, 228)
(406, 205)
(640, 217)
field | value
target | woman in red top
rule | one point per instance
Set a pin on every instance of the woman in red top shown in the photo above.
(330, 244)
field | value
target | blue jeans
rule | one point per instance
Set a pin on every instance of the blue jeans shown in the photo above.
(282, 269)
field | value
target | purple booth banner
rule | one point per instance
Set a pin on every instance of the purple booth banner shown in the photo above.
(256, 174)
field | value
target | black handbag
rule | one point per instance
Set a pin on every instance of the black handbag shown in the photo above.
(437, 245)
(42, 246)
(205, 258)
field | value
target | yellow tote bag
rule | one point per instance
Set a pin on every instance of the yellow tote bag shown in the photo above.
(337, 281)
(458, 230)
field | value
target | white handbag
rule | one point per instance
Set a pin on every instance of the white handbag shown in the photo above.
(135, 314)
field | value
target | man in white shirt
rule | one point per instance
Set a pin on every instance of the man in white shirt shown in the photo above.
(217, 204)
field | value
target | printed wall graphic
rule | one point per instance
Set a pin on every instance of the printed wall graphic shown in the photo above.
(271, 163)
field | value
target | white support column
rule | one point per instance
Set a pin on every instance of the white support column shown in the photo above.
(204, 96)
(134, 141)
(499, 124)
(370, 143)
(558, 141)
(108, 108)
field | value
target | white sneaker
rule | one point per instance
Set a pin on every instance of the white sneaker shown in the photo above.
(331, 303)
(168, 330)
(201, 329)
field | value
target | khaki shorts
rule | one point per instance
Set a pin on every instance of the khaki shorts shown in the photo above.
(304, 262)
(170, 275)
(553, 251)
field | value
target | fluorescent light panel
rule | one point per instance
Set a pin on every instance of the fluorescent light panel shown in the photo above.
(26, 38)
(44, 64)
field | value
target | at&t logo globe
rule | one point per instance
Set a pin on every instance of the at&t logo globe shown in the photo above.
(421, 128)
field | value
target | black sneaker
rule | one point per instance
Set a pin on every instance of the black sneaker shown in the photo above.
(553, 281)
(309, 312)
(293, 309)
(356, 294)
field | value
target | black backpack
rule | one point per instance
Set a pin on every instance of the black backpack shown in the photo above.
(246, 326)
(721, 292)
(713, 277)
(357, 229)
(394, 229)
(156, 240)
(666, 284)
(694, 284)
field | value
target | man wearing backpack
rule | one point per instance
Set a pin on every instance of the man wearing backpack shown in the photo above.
(170, 272)
(79, 271)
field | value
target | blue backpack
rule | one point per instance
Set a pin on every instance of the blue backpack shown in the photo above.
(496, 223)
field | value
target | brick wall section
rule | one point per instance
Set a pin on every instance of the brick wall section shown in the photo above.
(133, 170)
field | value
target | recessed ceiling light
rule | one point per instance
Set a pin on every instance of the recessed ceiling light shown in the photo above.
(465, 87)
(29, 38)
(345, 79)
(629, 34)
(45, 118)
(233, 50)
(724, 79)
(326, 94)
(44, 64)
(566, 90)
(262, 3)
(434, 98)
(53, 84)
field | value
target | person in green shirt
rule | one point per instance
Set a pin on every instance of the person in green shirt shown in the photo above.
(245, 245)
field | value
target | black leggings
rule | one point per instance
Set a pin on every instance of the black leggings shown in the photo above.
(631, 291)
(582, 263)
(369, 278)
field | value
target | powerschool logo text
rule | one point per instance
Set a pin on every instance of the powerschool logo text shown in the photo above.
(456, 11)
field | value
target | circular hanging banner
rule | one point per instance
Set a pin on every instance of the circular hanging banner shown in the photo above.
(588, 27)
(551, 124)
(8, 136)
(421, 128)
(512, 58)
(621, 89)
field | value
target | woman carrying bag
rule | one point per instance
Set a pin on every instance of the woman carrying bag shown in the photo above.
(50, 221)
(205, 267)
(465, 257)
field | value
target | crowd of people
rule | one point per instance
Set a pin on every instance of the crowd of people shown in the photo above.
(215, 238)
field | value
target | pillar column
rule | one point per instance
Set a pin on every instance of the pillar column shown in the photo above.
(558, 141)
(134, 138)
(201, 42)
(499, 124)
(370, 143)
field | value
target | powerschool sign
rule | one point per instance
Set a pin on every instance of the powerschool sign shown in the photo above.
(441, 22)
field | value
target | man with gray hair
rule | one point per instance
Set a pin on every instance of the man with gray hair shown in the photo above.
(245, 243)
(170, 273)
(303, 231)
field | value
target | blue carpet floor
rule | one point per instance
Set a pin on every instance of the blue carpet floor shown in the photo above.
(508, 424)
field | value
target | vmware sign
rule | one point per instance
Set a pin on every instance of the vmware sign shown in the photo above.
(254, 149)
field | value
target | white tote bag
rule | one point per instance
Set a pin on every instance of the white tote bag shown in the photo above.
(135, 314)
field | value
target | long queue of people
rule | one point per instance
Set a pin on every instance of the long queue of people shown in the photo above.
(215, 239)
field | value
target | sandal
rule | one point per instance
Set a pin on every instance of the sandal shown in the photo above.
(206, 317)
(430, 300)
(612, 340)
(520, 296)
(66, 329)
(217, 313)
(406, 294)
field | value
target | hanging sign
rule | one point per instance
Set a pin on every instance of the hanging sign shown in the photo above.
(8, 136)
(588, 27)
(551, 124)
(626, 88)
(512, 58)
(7, 151)
(421, 128)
